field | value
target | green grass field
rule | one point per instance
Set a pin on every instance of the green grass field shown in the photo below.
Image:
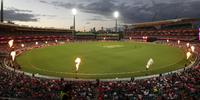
(102, 59)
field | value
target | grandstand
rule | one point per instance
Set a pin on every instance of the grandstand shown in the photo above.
(23, 34)
(175, 29)
(185, 83)
(181, 83)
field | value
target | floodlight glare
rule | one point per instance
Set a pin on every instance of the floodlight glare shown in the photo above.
(22, 45)
(116, 14)
(74, 11)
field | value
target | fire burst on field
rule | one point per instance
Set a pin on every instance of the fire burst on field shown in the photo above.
(77, 61)
(149, 63)
(188, 44)
(13, 54)
(192, 48)
(10, 43)
(179, 41)
(188, 54)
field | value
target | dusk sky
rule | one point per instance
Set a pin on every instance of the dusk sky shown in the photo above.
(96, 13)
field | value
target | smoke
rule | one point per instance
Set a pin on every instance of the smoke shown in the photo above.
(149, 63)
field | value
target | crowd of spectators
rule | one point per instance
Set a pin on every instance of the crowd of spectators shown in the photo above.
(15, 85)
(179, 86)
(184, 85)
(181, 34)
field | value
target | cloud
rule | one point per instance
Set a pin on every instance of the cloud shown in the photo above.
(12, 14)
(87, 23)
(102, 7)
(98, 18)
(18, 10)
(45, 15)
(42, 1)
(133, 11)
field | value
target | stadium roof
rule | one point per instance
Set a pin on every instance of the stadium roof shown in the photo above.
(29, 28)
(166, 22)
(85, 33)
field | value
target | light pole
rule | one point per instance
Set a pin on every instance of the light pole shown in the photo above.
(74, 12)
(116, 15)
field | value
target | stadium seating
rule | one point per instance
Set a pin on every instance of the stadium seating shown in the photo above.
(182, 85)
(173, 34)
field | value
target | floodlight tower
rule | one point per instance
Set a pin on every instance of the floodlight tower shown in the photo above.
(116, 15)
(2, 11)
(74, 12)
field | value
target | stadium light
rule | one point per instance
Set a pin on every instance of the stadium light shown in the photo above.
(74, 12)
(188, 44)
(22, 45)
(36, 43)
(179, 41)
(116, 15)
